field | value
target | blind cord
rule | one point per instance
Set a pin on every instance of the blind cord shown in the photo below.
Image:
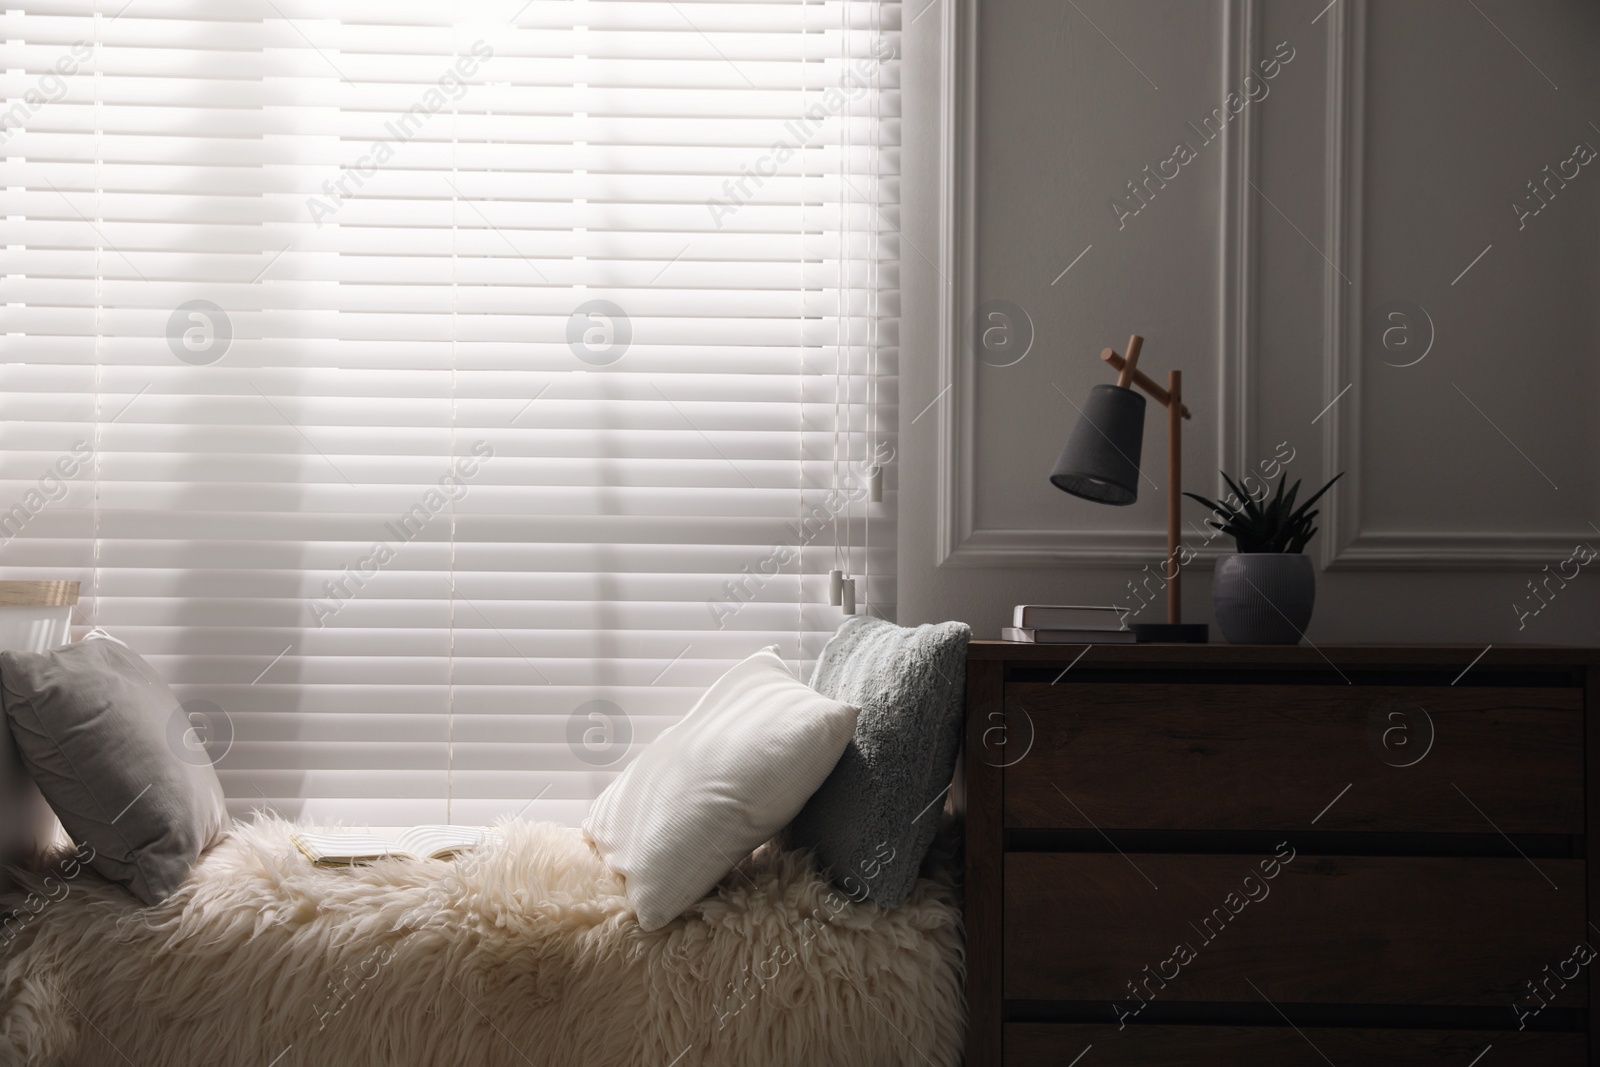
(99, 321)
(455, 313)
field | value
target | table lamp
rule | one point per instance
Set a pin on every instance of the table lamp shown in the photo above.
(1101, 463)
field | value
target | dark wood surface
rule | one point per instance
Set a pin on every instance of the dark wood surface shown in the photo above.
(1592, 748)
(1327, 929)
(983, 798)
(1326, 658)
(1267, 757)
(1056, 1045)
(1395, 896)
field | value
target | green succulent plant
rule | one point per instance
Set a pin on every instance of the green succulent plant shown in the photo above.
(1277, 527)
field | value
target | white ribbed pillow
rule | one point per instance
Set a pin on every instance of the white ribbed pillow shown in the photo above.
(734, 772)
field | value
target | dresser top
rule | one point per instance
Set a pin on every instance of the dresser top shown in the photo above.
(1304, 655)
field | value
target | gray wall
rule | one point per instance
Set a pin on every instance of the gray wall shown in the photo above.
(1363, 182)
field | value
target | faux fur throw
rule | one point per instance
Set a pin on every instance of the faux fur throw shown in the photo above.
(524, 952)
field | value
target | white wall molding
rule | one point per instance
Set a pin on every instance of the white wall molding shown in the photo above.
(1344, 163)
(958, 84)
(958, 540)
(1238, 282)
(1346, 544)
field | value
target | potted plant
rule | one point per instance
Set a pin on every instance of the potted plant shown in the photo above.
(1263, 593)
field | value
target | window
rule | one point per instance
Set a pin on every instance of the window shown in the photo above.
(441, 395)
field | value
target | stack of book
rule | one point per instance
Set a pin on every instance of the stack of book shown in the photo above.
(1068, 624)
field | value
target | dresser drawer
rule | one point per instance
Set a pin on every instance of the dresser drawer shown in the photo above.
(1058, 1045)
(1273, 757)
(1334, 930)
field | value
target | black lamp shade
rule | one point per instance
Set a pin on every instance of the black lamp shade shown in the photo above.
(1101, 460)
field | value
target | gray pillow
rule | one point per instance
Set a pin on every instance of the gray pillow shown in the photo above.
(873, 819)
(27, 827)
(95, 726)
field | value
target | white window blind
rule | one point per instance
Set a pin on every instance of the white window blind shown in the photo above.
(441, 395)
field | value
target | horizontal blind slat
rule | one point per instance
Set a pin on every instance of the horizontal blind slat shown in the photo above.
(277, 269)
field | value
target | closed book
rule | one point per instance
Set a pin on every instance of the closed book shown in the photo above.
(1066, 637)
(1067, 617)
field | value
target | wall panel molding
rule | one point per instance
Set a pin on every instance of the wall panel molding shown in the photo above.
(1346, 544)
(1344, 165)
(1239, 281)
(959, 541)
(953, 406)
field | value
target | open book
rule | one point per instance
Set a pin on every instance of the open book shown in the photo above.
(419, 842)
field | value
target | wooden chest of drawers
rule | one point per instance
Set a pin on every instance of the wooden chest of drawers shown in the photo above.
(1249, 855)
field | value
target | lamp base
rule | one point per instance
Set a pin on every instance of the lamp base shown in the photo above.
(1171, 633)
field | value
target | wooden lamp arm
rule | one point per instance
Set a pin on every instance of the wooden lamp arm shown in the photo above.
(1130, 365)
(1127, 370)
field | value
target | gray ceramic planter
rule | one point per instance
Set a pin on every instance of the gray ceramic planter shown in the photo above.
(1263, 598)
